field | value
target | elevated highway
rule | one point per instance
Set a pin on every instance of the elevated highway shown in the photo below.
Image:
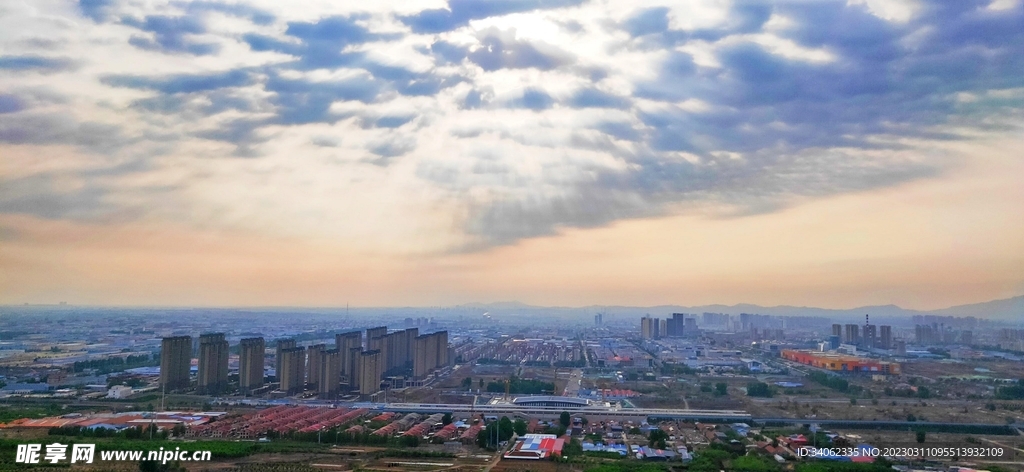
(592, 412)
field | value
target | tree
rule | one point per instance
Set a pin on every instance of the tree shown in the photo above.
(481, 382)
(565, 419)
(519, 426)
(920, 436)
(505, 429)
(574, 448)
(657, 438)
(446, 419)
(721, 389)
(483, 437)
(752, 464)
(853, 401)
(923, 392)
(759, 389)
(467, 383)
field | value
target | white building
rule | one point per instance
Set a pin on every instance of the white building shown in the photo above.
(119, 392)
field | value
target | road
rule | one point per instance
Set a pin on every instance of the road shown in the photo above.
(572, 387)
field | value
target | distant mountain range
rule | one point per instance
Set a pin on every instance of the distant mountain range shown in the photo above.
(1010, 309)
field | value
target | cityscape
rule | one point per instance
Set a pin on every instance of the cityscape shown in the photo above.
(512, 236)
(330, 380)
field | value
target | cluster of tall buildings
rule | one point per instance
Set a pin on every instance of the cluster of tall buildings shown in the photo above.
(940, 333)
(871, 337)
(361, 366)
(679, 325)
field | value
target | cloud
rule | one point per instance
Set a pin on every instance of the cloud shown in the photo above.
(390, 148)
(593, 98)
(647, 21)
(45, 197)
(300, 101)
(619, 130)
(534, 99)
(501, 50)
(393, 121)
(256, 15)
(182, 83)
(11, 104)
(96, 10)
(36, 64)
(460, 12)
(54, 128)
(531, 124)
(172, 34)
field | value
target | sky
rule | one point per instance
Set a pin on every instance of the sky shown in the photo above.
(554, 152)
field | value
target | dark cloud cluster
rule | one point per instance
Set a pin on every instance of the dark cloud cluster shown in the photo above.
(780, 120)
(171, 34)
(53, 128)
(41, 64)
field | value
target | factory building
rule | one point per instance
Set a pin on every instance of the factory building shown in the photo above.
(841, 363)
(175, 363)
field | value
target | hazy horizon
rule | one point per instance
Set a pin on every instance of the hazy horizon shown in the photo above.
(832, 154)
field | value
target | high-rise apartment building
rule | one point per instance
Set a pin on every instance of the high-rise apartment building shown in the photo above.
(344, 343)
(175, 363)
(313, 367)
(648, 327)
(213, 364)
(885, 337)
(353, 368)
(251, 360)
(330, 374)
(837, 330)
(292, 375)
(371, 369)
(852, 334)
(376, 340)
(430, 352)
(870, 338)
(282, 344)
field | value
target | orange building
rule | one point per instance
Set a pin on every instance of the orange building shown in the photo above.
(841, 363)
